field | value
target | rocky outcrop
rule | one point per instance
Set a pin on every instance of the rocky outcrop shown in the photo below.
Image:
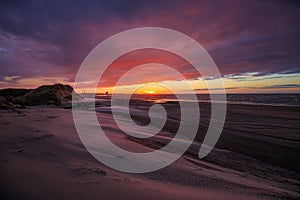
(44, 95)
(13, 92)
(4, 104)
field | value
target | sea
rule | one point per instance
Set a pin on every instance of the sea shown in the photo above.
(246, 99)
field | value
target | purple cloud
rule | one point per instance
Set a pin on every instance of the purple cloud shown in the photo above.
(51, 38)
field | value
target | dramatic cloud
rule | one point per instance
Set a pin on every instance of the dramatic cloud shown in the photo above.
(284, 86)
(48, 40)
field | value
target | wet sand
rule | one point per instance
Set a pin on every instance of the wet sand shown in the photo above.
(42, 157)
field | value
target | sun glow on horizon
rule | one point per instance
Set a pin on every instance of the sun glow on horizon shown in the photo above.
(149, 92)
(274, 83)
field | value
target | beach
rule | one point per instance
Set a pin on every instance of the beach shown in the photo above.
(255, 158)
(149, 100)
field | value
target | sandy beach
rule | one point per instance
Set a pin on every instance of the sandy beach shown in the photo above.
(42, 157)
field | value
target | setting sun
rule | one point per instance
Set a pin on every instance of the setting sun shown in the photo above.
(149, 92)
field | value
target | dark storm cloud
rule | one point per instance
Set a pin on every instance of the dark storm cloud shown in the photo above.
(51, 38)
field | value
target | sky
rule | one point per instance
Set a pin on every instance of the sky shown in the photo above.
(255, 44)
